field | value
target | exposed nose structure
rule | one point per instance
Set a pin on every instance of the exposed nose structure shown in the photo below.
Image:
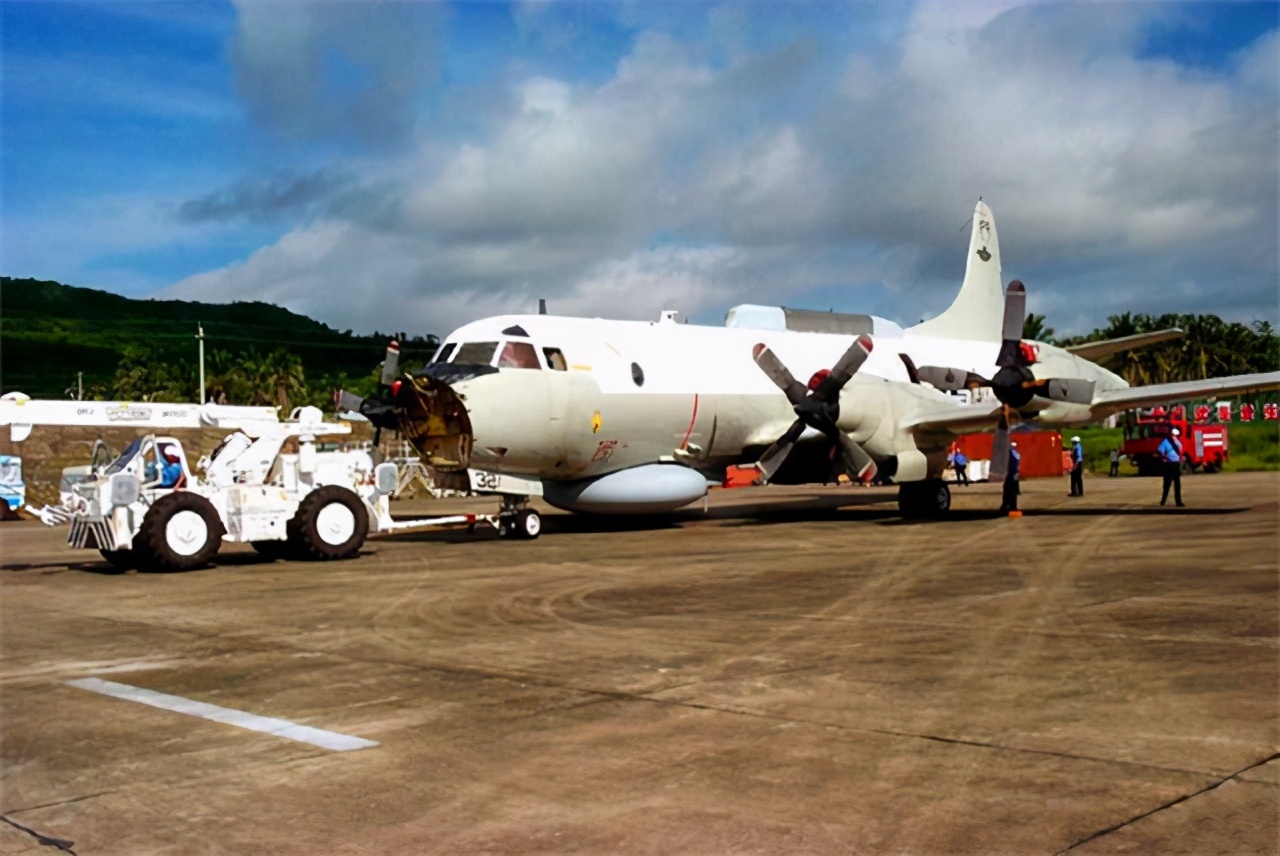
(426, 410)
(432, 417)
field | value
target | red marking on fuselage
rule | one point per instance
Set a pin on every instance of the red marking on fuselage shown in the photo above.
(684, 444)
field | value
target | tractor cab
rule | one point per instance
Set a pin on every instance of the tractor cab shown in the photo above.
(158, 463)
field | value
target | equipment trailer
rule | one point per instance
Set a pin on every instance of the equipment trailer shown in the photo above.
(306, 504)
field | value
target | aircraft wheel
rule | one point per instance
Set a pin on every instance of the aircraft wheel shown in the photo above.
(917, 500)
(528, 523)
(909, 504)
(935, 498)
(180, 531)
(330, 523)
(121, 560)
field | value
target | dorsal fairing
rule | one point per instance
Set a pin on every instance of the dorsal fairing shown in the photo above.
(756, 317)
(976, 312)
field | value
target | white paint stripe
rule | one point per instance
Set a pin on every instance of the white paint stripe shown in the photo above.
(253, 722)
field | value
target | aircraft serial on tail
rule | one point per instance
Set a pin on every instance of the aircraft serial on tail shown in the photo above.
(630, 417)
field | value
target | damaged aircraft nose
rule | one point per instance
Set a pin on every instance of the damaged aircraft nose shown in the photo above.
(432, 417)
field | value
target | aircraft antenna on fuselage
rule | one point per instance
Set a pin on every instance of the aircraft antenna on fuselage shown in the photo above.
(977, 311)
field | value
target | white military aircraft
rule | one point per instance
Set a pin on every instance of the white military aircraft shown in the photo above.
(607, 416)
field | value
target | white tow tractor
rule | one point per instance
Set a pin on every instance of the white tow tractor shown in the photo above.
(147, 509)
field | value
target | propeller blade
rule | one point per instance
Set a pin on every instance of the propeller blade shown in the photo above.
(1015, 314)
(774, 456)
(1000, 451)
(391, 365)
(1073, 390)
(767, 360)
(846, 367)
(857, 462)
(349, 402)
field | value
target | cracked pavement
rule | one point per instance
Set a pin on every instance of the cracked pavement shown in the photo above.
(795, 671)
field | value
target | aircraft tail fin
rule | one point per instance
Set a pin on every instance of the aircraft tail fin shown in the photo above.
(977, 312)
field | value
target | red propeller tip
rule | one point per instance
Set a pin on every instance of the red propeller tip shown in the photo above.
(865, 341)
(758, 349)
(1016, 285)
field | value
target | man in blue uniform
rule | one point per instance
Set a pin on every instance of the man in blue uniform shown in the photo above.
(1170, 452)
(170, 467)
(1010, 499)
(961, 462)
(1077, 467)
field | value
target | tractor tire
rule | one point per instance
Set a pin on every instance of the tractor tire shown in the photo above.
(180, 532)
(331, 523)
(121, 560)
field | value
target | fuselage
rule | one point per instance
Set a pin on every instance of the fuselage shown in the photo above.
(577, 398)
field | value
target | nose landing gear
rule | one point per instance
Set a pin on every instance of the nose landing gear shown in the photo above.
(517, 520)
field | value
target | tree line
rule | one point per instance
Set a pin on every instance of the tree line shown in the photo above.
(1209, 346)
(274, 378)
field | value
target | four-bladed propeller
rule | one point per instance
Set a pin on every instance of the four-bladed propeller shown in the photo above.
(1015, 384)
(378, 408)
(817, 406)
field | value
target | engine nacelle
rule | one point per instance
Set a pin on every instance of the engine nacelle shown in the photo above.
(648, 489)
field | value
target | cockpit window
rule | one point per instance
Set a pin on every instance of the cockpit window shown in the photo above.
(555, 359)
(518, 355)
(442, 355)
(476, 353)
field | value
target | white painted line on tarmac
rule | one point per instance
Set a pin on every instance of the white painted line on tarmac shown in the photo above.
(265, 724)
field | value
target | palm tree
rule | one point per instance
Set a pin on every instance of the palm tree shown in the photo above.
(1034, 329)
(286, 378)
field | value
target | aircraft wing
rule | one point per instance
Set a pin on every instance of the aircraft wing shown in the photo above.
(958, 419)
(1112, 401)
(1094, 351)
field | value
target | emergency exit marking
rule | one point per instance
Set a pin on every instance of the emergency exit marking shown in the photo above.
(265, 724)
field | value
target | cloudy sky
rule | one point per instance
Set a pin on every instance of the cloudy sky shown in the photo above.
(413, 166)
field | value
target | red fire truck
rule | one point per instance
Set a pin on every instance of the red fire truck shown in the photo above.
(1203, 444)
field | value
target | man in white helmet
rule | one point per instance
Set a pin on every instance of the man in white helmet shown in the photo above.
(1170, 452)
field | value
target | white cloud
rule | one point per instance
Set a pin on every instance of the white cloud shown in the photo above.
(769, 176)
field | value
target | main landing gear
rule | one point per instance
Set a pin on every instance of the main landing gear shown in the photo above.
(517, 520)
(930, 498)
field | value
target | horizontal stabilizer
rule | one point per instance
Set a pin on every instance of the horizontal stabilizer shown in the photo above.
(1097, 350)
(1112, 401)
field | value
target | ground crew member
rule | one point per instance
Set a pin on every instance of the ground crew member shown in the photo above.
(1010, 500)
(1077, 467)
(1171, 454)
(961, 464)
(171, 468)
(1115, 463)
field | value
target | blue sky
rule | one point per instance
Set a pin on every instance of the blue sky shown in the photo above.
(419, 165)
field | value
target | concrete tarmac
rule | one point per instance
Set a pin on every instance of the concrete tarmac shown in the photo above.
(792, 671)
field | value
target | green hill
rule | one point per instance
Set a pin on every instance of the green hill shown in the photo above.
(50, 331)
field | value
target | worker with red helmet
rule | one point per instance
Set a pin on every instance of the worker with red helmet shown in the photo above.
(170, 466)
